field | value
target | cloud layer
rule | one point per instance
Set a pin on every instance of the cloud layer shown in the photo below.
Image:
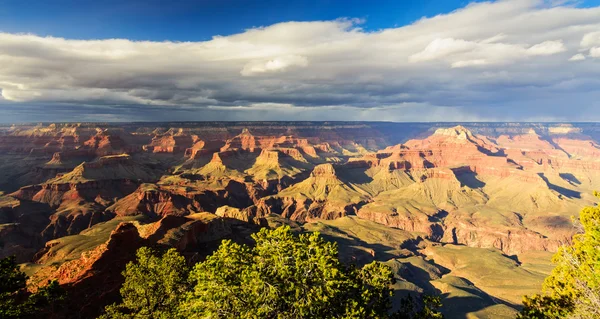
(504, 60)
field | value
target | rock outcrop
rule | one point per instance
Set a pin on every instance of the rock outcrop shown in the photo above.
(96, 275)
(321, 196)
(505, 188)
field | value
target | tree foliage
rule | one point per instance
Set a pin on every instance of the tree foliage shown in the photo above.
(283, 276)
(154, 286)
(17, 302)
(427, 308)
(545, 306)
(573, 288)
(286, 276)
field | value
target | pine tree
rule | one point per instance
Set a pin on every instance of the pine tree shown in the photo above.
(288, 276)
(154, 286)
(17, 302)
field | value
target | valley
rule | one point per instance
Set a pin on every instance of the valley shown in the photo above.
(470, 211)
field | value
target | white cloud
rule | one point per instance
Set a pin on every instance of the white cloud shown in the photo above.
(590, 39)
(489, 58)
(547, 48)
(277, 64)
(440, 48)
(494, 39)
(461, 53)
(462, 64)
(577, 57)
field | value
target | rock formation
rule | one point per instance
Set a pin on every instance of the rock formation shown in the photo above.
(420, 196)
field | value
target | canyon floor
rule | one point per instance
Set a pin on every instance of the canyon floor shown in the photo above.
(470, 211)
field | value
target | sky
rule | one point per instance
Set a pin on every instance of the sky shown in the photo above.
(444, 60)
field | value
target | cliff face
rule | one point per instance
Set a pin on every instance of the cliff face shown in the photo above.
(75, 207)
(487, 183)
(511, 187)
(321, 196)
(289, 170)
(77, 200)
(95, 276)
(21, 224)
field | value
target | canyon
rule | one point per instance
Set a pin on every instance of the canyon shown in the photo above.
(470, 211)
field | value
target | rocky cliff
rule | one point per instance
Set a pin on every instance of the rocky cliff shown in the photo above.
(506, 188)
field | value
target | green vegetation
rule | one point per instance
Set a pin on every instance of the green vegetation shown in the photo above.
(282, 276)
(17, 302)
(573, 288)
(286, 277)
(427, 310)
(154, 286)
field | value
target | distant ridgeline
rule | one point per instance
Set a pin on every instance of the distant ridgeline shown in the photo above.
(394, 132)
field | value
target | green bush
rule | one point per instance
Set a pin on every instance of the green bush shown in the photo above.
(17, 302)
(154, 286)
(288, 276)
(573, 288)
(283, 276)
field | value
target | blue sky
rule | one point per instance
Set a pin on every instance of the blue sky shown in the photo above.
(505, 60)
(185, 20)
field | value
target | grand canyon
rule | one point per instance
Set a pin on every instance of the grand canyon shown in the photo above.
(470, 211)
